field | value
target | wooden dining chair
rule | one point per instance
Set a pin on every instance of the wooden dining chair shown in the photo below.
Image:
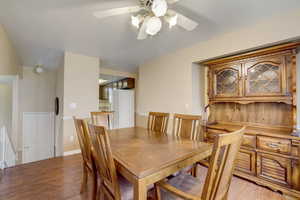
(158, 121)
(187, 126)
(102, 119)
(218, 177)
(87, 157)
(111, 186)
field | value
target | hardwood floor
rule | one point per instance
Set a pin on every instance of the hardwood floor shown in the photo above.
(60, 179)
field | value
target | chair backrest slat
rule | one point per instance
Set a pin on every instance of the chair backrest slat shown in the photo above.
(221, 165)
(83, 138)
(158, 121)
(187, 126)
(102, 119)
(104, 160)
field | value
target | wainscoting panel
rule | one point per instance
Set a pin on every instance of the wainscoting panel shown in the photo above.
(38, 136)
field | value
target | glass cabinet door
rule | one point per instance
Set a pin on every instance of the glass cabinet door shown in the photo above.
(226, 81)
(264, 78)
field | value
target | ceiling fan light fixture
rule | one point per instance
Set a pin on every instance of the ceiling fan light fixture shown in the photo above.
(172, 20)
(39, 69)
(159, 7)
(153, 26)
(136, 20)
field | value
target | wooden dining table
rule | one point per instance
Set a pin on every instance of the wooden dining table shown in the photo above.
(144, 157)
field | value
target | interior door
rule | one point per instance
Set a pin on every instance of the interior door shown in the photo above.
(38, 136)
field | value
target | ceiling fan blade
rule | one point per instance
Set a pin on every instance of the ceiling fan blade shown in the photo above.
(142, 33)
(172, 1)
(116, 11)
(183, 21)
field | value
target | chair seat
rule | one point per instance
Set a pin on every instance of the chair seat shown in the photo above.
(186, 183)
(126, 188)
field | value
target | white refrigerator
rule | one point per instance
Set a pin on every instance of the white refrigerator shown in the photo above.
(123, 107)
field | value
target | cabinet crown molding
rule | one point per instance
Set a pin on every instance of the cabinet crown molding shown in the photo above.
(248, 54)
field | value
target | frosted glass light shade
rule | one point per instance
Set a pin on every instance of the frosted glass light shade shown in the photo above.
(136, 20)
(159, 7)
(172, 20)
(153, 26)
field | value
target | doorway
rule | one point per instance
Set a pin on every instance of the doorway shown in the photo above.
(116, 95)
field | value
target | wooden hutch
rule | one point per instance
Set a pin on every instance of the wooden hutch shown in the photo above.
(258, 90)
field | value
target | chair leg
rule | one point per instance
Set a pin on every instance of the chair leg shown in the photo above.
(84, 178)
(100, 192)
(157, 192)
(94, 187)
(194, 170)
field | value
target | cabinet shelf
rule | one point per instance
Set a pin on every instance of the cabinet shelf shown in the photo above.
(248, 100)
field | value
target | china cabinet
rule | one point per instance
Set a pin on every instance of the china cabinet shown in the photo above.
(258, 90)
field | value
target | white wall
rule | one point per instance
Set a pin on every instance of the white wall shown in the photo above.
(9, 61)
(6, 105)
(165, 83)
(81, 88)
(59, 118)
(198, 89)
(111, 72)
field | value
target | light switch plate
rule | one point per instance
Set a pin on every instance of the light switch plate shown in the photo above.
(73, 106)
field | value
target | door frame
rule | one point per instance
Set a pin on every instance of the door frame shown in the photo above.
(14, 81)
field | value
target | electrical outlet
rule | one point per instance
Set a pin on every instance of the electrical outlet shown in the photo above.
(72, 138)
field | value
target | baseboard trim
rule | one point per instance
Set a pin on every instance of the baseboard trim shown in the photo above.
(68, 153)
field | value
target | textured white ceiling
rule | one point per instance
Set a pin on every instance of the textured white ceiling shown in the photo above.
(42, 30)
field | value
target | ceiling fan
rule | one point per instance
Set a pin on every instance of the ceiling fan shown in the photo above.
(147, 17)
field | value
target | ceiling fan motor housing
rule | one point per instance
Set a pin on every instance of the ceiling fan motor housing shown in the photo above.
(146, 3)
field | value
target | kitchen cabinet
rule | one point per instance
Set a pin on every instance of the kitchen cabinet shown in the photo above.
(127, 83)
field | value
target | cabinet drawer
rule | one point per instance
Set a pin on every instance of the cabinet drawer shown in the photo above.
(246, 161)
(274, 168)
(278, 145)
(249, 141)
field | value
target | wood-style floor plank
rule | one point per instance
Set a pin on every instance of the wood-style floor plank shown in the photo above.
(60, 179)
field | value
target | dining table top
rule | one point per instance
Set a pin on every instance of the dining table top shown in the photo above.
(143, 152)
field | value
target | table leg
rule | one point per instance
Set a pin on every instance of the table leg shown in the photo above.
(140, 190)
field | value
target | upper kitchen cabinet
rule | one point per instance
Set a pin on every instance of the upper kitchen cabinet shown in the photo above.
(226, 81)
(265, 76)
(123, 84)
(128, 83)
